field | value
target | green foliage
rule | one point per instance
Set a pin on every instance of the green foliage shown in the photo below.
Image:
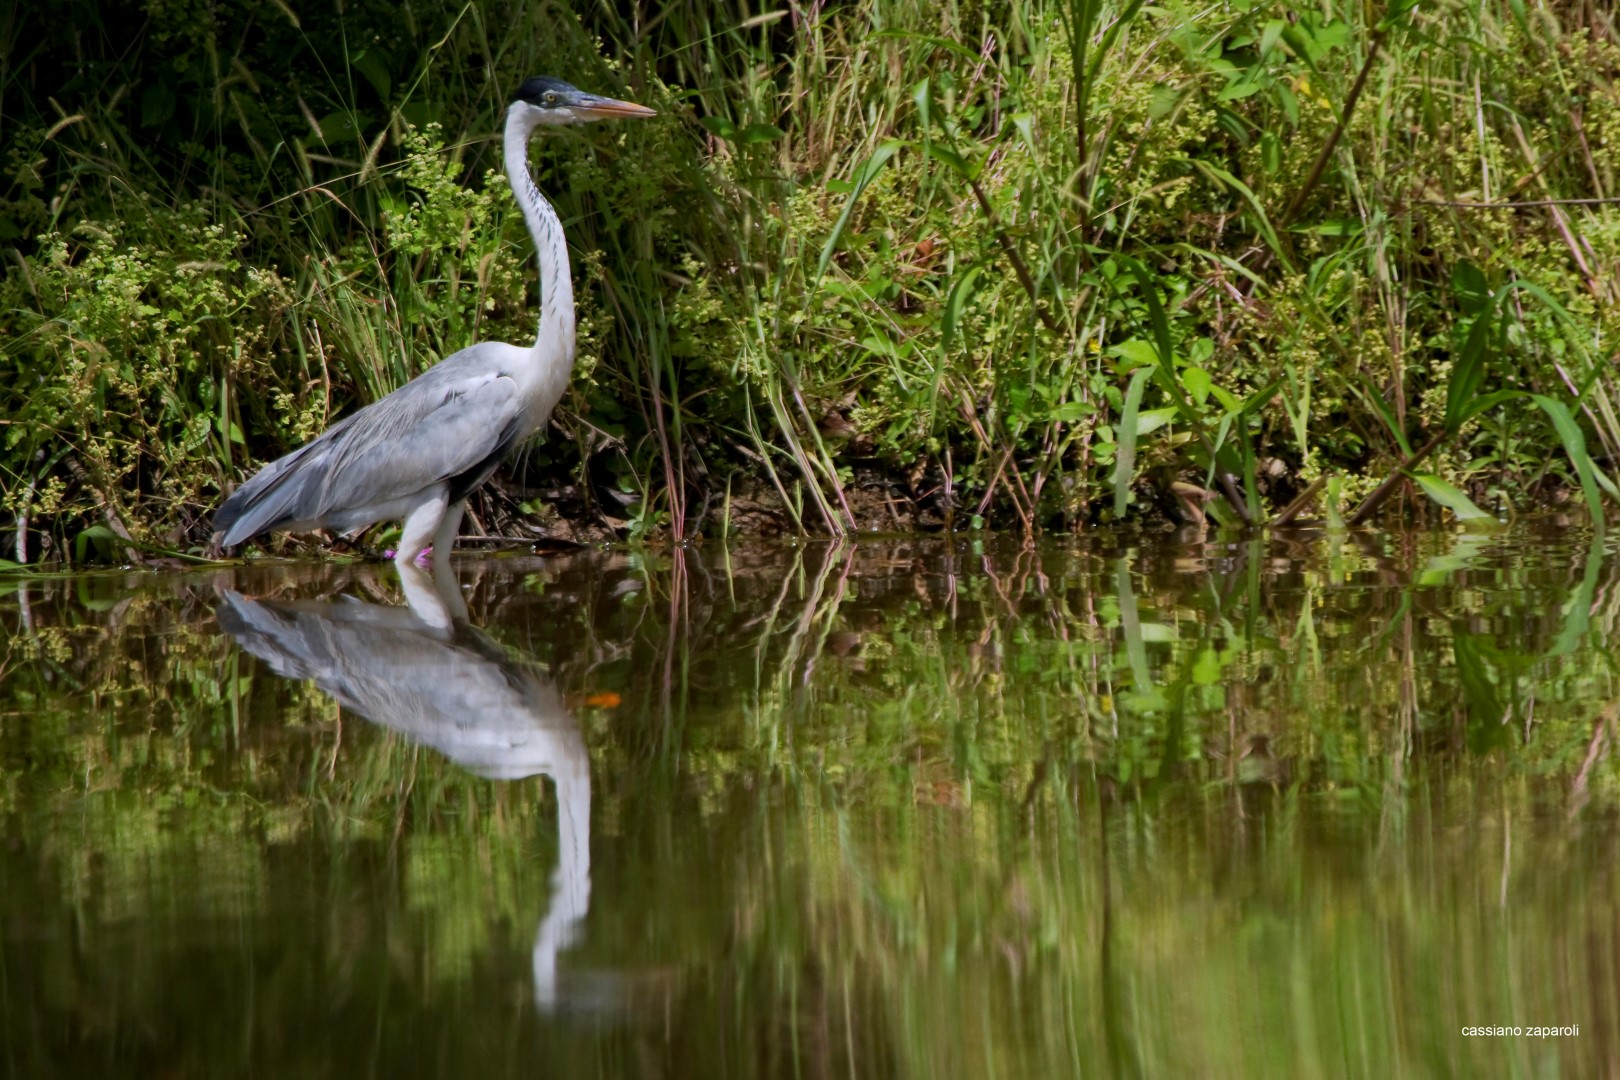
(897, 243)
(121, 339)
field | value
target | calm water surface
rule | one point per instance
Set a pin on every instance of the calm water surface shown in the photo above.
(1119, 807)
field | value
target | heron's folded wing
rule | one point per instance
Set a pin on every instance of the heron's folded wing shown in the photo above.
(451, 419)
(428, 432)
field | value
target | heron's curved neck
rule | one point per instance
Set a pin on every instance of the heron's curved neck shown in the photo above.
(556, 337)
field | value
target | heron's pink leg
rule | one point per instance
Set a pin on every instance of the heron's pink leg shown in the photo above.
(418, 528)
(444, 537)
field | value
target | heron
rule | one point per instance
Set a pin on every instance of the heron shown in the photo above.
(415, 455)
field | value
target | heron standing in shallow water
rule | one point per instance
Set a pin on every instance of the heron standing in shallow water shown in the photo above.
(415, 455)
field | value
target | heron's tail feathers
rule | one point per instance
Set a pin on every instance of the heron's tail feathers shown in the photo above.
(285, 492)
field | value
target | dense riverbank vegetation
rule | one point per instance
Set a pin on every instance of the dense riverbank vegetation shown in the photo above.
(890, 263)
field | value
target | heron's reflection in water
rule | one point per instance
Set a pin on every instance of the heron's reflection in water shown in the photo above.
(425, 672)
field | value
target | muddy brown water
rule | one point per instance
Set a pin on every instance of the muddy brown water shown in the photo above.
(1126, 806)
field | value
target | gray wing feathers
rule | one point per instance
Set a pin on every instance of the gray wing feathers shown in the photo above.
(443, 423)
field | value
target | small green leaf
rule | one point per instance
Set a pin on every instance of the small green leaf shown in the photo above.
(234, 434)
(1271, 155)
(957, 163)
(923, 95)
(1163, 101)
(1289, 103)
(1375, 400)
(1335, 35)
(759, 133)
(1451, 498)
(1198, 383)
(337, 126)
(1271, 35)
(719, 126)
(1136, 353)
(81, 543)
(1487, 402)
(1237, 91)
(1332, 227)
(1153, 420)
(373, 64)
(1397, 10)
(1330, 503)
(1206, 669)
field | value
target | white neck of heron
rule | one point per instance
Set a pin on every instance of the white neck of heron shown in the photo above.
(556, 336)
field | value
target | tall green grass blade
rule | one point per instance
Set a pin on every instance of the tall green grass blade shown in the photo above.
(1330, 503)
(1472, 290)
(1261, 219)
(1158, 324)
(1375, 401)
(1469, 371)
(865, 173)
(961, 292)
(1569, 433)
(1125, 455)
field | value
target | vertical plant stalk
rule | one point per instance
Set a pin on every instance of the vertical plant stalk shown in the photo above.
(762, 454)
(22, 524)
(1079, 19)
(1010, 249)
(1077, 16)
(1320, 166)
(674, 465)
(677, 503)
(678, 633)
(1236, 495)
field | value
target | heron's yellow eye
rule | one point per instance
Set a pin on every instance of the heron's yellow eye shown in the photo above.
(551, 97)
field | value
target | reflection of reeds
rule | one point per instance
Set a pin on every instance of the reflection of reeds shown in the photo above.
(917, 806)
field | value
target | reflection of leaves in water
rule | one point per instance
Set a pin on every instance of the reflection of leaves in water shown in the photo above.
(849, 799)
(1488, 726)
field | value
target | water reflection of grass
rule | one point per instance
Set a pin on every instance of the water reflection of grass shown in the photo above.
(915, 808)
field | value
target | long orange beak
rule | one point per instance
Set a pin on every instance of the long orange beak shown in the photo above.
(602, 108)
